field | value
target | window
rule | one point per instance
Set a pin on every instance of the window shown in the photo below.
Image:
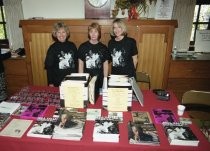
(3, 34)
(201, 18)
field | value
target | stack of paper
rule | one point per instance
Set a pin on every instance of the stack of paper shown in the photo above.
(117, 95)
(74, 90)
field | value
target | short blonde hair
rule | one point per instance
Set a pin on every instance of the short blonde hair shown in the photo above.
(58, 26)
(97, 27)
(121, 24)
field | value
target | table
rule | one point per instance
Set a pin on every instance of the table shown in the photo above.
(40, 144)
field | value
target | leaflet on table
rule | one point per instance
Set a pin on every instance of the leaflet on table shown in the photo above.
(16, 128)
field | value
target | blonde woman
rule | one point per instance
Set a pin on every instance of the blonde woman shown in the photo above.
(123, 50)
(61, 58)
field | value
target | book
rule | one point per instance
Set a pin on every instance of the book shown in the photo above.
(92, 114)
(69, 125)
(74, 90)
(42, 127)
(106, 130)
(137, 91)
(4, 117)
(141, 117)
(16, 128)
(163, 115)
(9, 107)
(180, 134)
(92, 90)
(142, 134)
(34, 111)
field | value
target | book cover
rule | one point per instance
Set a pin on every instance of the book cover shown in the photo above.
(180, 134)
(34, 111)
(142, 134)
(106, 130)
(69, 125)
(42, 127)
(163, 115)
(9, 107)
(16, 128)
(141, 117)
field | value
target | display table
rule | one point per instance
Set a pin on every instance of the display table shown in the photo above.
(41, 144)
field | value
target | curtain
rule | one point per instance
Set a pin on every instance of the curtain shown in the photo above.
(183, 12)
(14, 13)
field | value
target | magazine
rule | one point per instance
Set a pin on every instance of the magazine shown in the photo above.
(34, 111)
(164, 115)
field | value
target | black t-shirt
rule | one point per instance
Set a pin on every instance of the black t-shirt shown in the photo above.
(61, 60)
(121, 56)
(93, 56)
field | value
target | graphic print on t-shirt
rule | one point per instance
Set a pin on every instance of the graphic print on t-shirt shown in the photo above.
(92, 60)
(118, 58)
(66, 60)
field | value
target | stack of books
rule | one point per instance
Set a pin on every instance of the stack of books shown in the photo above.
(117, 88)
(106, 130)
(70, 125)
(141, 130)
(74, 90)
(180, 134)
(42, 128)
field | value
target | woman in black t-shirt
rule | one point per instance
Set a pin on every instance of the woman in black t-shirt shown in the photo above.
(93, 55)
(61, 58)
(123, 50)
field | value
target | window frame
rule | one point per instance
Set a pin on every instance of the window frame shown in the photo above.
(4, 43)
(197, 23)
